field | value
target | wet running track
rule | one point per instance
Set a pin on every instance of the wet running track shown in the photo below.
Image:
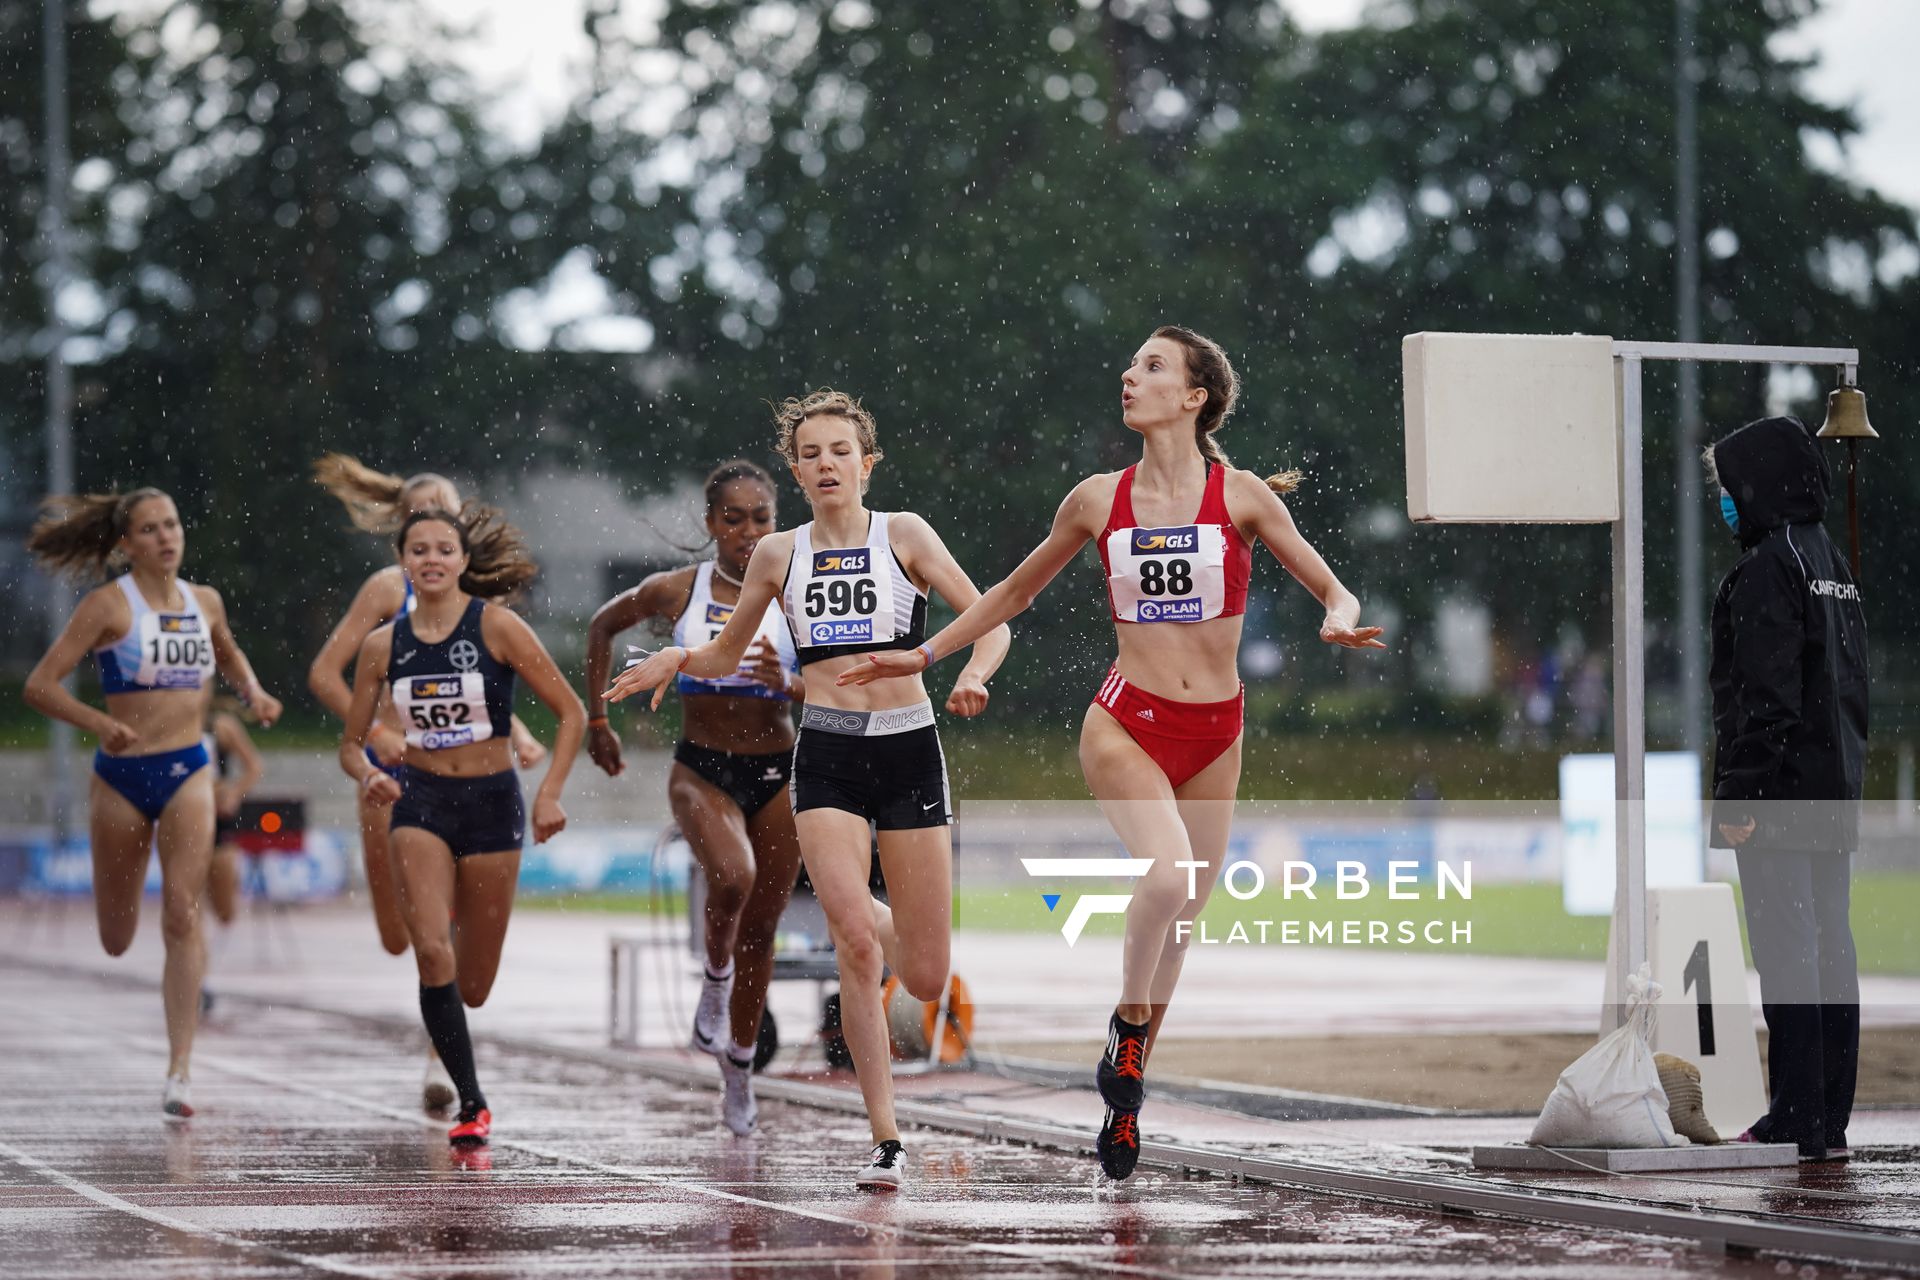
(308, 1158)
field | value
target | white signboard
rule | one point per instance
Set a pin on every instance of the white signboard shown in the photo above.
(1510, 428)
(1676, 827)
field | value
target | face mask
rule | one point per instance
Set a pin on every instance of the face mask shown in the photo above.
(1729, 513)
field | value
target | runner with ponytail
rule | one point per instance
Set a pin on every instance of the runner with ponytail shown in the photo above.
(158, 640)
(1160, 746)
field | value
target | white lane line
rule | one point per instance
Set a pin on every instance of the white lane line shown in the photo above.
(107, 1200)
(1026, 1253)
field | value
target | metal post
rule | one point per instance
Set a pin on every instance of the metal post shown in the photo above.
(1629, 694)
(1853, 506)
(59, 429)
(1688, 628)
(1629, 619)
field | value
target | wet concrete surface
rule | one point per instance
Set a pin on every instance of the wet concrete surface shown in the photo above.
(308, 1158)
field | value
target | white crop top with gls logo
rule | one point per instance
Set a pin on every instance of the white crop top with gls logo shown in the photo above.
(846, 600)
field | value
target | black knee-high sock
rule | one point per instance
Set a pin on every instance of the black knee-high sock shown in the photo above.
(446, 1019)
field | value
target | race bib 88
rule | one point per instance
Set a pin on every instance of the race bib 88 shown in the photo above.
(1175, 574)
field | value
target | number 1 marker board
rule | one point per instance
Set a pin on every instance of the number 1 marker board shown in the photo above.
(1693, 944)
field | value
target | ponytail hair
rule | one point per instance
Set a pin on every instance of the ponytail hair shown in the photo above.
(375, 500)
(1209, 369)
(78, 534)
(498, 563)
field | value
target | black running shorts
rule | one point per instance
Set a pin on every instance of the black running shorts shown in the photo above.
(472, 815)
(750, 781)
(897, 781)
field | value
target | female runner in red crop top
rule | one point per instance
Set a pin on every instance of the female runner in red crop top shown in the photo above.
(1160, 746)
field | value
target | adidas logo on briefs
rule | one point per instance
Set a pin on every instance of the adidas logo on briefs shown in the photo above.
(1145, 713)
(854, 561)
(1184, 538)
(179, 769)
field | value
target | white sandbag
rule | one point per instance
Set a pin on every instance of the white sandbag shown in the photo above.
(1611, 1096)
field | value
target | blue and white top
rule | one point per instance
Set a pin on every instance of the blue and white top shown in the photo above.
(704, 618)
(408, 602)
(165, 649)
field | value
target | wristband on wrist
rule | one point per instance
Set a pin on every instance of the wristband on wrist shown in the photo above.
(686, 656)
(926, 651)
(596, 721)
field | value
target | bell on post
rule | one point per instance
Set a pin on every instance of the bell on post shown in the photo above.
(1847, 416)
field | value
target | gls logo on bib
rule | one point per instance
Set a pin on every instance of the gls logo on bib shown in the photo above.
(431, 687)
(854, 561)
(717, 614)
(1167, 541)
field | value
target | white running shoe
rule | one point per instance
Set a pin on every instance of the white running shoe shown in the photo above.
(737, 1106)
(886, 1168)
(177, 1101)
(710, 1019)
(436, 1091)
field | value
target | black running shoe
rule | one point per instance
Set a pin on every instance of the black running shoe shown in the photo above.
(1122, 1070)
(1119, 1143)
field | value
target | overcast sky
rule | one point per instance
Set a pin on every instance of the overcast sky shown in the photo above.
(532, 54)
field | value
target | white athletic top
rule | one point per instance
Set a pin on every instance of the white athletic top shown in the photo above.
(846, 600)
(164, 649)
(704, 618)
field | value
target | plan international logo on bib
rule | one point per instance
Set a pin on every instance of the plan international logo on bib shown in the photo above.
(854, 561)
(1191, 609)
(1167, 541)
(441, 739)
(847, 631)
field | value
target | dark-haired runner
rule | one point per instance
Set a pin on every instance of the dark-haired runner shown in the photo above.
(378, 502)
(458, 820)
(728, 785)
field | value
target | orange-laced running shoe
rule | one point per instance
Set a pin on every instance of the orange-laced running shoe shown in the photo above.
(1119, 1143)
(1121, 1073)
(473, 1130)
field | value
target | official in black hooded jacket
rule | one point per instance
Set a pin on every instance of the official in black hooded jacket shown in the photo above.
(1789, 679)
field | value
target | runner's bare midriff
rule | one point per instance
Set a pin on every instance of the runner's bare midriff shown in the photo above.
(1185, 661)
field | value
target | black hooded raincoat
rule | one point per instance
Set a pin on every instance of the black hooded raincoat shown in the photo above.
(1789, 672)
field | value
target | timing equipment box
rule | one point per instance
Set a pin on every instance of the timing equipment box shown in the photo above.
(1511, 428)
